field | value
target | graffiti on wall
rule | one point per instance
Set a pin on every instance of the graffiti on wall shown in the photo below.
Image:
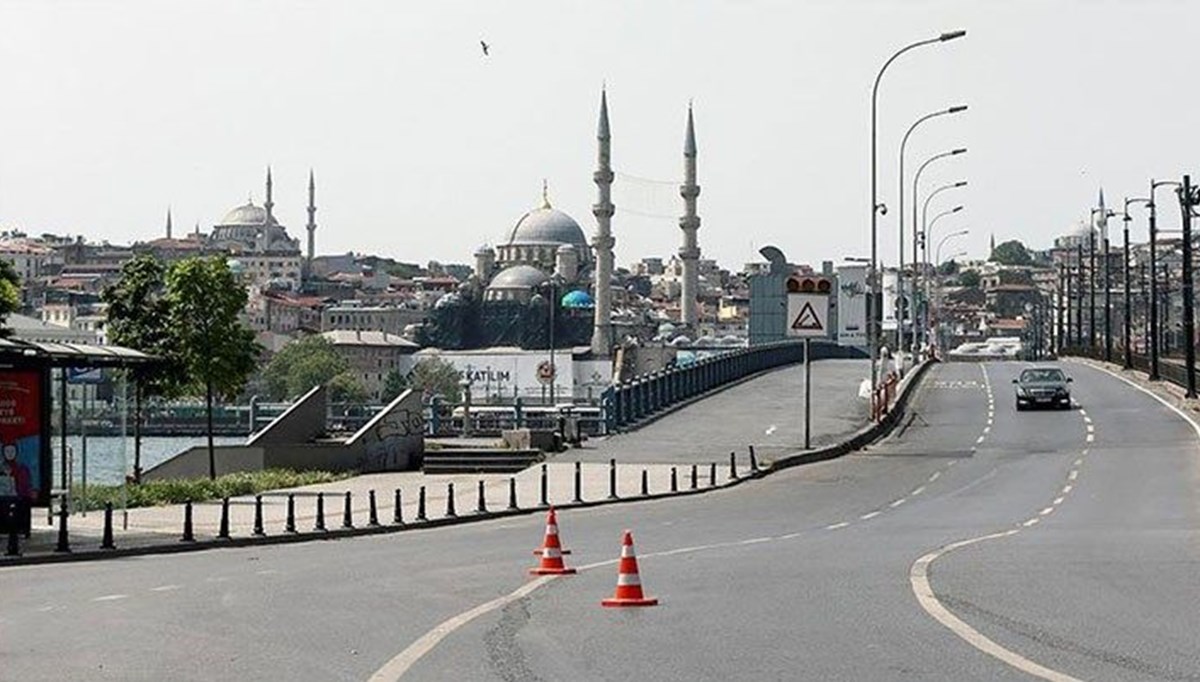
(396, 439)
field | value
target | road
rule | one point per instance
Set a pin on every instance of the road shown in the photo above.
(833, 571)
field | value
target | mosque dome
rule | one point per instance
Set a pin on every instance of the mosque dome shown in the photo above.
(248, 214)
(577, 299)
(547, 225)
(518, 277)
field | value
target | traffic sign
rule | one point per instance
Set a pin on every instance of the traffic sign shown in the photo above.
(808, 315)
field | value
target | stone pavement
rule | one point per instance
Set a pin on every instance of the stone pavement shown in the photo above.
(766, 412)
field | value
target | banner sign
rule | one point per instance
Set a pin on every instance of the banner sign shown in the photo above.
(24, 448)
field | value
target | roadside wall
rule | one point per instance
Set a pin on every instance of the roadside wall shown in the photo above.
(394, 440)
(301, 423)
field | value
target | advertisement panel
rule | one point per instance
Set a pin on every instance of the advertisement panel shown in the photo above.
(24, 457)
(852, 305)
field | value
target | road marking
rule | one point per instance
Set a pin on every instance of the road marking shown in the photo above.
(1073, 475)
(979, 440)
(1030, 523)
(46, 609)
(755, 541)
(1079, 461)
(1087, 419)
(1057, 501)
(771, 429)
(987, 430)
(835, 526)
(1091, 428)
(792, 536)
(919, 578)
(1083, 412)
(1067, 488)
(1047, 510)
(918, 491)
(1091, 438)
(267, 571)
(868, 517)
(897, 503)
(111, 597)
(935, 476)
(989, 422)
(165, 588)
(952, 463)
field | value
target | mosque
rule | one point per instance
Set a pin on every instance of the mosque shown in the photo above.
(543, 284)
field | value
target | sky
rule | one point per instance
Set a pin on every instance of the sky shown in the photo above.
(424, 148)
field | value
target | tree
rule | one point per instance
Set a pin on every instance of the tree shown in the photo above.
(300, 365)
(10, 295)
(346, 388)
(1012, 252)
(948, 268)
(205, 302)
(434, 376)
(394, 384)
(969, 279)
(138, 319)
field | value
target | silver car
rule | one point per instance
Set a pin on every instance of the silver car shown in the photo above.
(1043, 387)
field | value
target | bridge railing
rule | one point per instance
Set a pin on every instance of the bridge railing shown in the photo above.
(631, 402)
(1170, 368)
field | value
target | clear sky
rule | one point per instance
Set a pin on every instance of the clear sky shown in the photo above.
(424, 148)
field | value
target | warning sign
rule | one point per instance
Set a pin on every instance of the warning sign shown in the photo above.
(808, 315)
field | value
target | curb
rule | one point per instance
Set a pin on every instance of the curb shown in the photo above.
(861, 438)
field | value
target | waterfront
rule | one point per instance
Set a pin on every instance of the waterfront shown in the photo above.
(110, 457)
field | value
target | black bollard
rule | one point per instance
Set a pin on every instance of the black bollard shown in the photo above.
(259, 531)
(612, 479)
(14, 543)
(732, 466)
(450, 513)
(695, 477)
(106, 541)
(712, 474)
(645, 483)
(545, 488)
(481, 505)
(578, 482)
(320, 523)
(372, 511)
(290, 524)
(187, 523)
(64, 542)
(398, 510)
(223, 529)
(512, 493)
(674, 480)
(421, 505)
(347, 514)
(753, 460)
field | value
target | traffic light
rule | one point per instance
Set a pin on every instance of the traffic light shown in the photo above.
(809, 284)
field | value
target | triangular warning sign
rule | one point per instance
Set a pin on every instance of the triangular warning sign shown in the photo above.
(807, 320)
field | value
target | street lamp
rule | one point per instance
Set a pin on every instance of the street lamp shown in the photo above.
(1128, 331)
(923, 239)
(937, 253)
(1155, 331)
(1105, 214)
(904, 143)
(876, 206)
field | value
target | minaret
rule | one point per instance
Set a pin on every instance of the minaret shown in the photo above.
(689, 253)
(168, 222)
(312, 219)
(269, 204)
(603, 241)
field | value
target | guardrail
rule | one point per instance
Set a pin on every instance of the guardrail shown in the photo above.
(1169, 368)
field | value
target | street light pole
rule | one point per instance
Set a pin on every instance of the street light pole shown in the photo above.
(872, 325)
(1079, 297)
(1187, 198)
(922, 238)
(915, 195)
(1125, 219)
(1155, 330)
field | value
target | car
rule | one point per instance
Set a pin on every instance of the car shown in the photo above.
(1043, 387)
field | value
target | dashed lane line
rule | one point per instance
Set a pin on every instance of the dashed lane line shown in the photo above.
(1073, 475)
(111, 597)
(837, 526)
(1031, 522)
(917, 491)
(165, 588)
(1058, 500)
(1067, 488)
(935, 476)
(1047, 510)
(897, 503)
(870, 515)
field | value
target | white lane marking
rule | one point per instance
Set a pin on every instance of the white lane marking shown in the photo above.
(987, 430)
(165, 588)
(1073, 475)
(1067, 488)
(1047, 510)
(1180, 413)
(952, 463)
(792, 536)
(1091, 438)
(771, 429)
(989, 422)
(1087, 419)
(111, 597)
(1091, 428)
(897, 503)
(755, 541)
(46, 609)
(835, 526)
(919, 578)
(1058, 500)
(979, 440)
(918, 491)
(1083, 412)
(267, 571)
(935, 476)
(1030, 523)
(1079, 461)
(868, 517)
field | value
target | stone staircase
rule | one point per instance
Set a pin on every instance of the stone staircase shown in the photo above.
(479, 461)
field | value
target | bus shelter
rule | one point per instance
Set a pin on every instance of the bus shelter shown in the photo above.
(27, 376)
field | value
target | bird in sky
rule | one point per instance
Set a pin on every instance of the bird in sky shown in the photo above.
(485, 47)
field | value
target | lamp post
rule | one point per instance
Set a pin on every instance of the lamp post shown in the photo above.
(876, 206)
(1125, 218)
(923, 237)
(937, 278)
(904, 143)
(1102, 223)
(1079, 296)
(1188, 197)
(1155, 330)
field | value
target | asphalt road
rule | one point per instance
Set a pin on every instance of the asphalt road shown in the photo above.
(808, 574)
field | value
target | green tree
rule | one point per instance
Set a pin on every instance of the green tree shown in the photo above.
(346, 388)
(1012, 252)
(302, 364)
(434, 376)
(969, 278)
(948, 268)
(205, 302)
(394, 384)
(138, 318)
(10, 295)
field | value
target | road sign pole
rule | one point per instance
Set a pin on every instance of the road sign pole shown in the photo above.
(807, 392)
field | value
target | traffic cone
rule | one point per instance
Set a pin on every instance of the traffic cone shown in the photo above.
(552, 562)
(629, 583)
(551, 521)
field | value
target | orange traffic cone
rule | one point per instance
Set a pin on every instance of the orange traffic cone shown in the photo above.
(629, 583)
(551, 522)
(552, 562)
